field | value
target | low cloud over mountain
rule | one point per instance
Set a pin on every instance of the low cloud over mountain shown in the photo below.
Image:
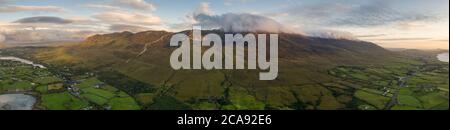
(231, 22)
(331, 34)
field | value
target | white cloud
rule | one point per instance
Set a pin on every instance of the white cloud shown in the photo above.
(204, 8)
(231, 22)
(43, 19)
(140, 5)
(130, 28)
(136, 4)
(74, 28)
(188, 21)
(2, 38)
(123, 17)
(46, 35)
(3, 2)
(83, 20)
(45, 29)
(19, 8)
(102, 6)
(231, 2)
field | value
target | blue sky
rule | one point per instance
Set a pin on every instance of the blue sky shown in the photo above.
(169, 9)
(390, 23)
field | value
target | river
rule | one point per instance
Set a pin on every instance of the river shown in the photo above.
(443, 57)
(11, 58)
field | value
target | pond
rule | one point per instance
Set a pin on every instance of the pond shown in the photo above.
(16, 102)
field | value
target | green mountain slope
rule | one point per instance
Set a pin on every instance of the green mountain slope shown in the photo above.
(139, 65)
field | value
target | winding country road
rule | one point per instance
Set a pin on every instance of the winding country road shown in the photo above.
(394, 98)
(401, 84)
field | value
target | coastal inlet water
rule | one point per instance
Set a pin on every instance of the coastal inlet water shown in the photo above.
(16, 102)
(443, 57)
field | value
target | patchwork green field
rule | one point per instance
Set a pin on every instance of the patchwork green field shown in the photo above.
(419, 86)
(403, 82)
(82, 92)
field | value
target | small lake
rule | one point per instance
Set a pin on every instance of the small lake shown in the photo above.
(11, 58)
(16, 102)
(443, 57)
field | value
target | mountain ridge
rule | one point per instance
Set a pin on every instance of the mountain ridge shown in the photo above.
(145, 57)
(288, 41)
